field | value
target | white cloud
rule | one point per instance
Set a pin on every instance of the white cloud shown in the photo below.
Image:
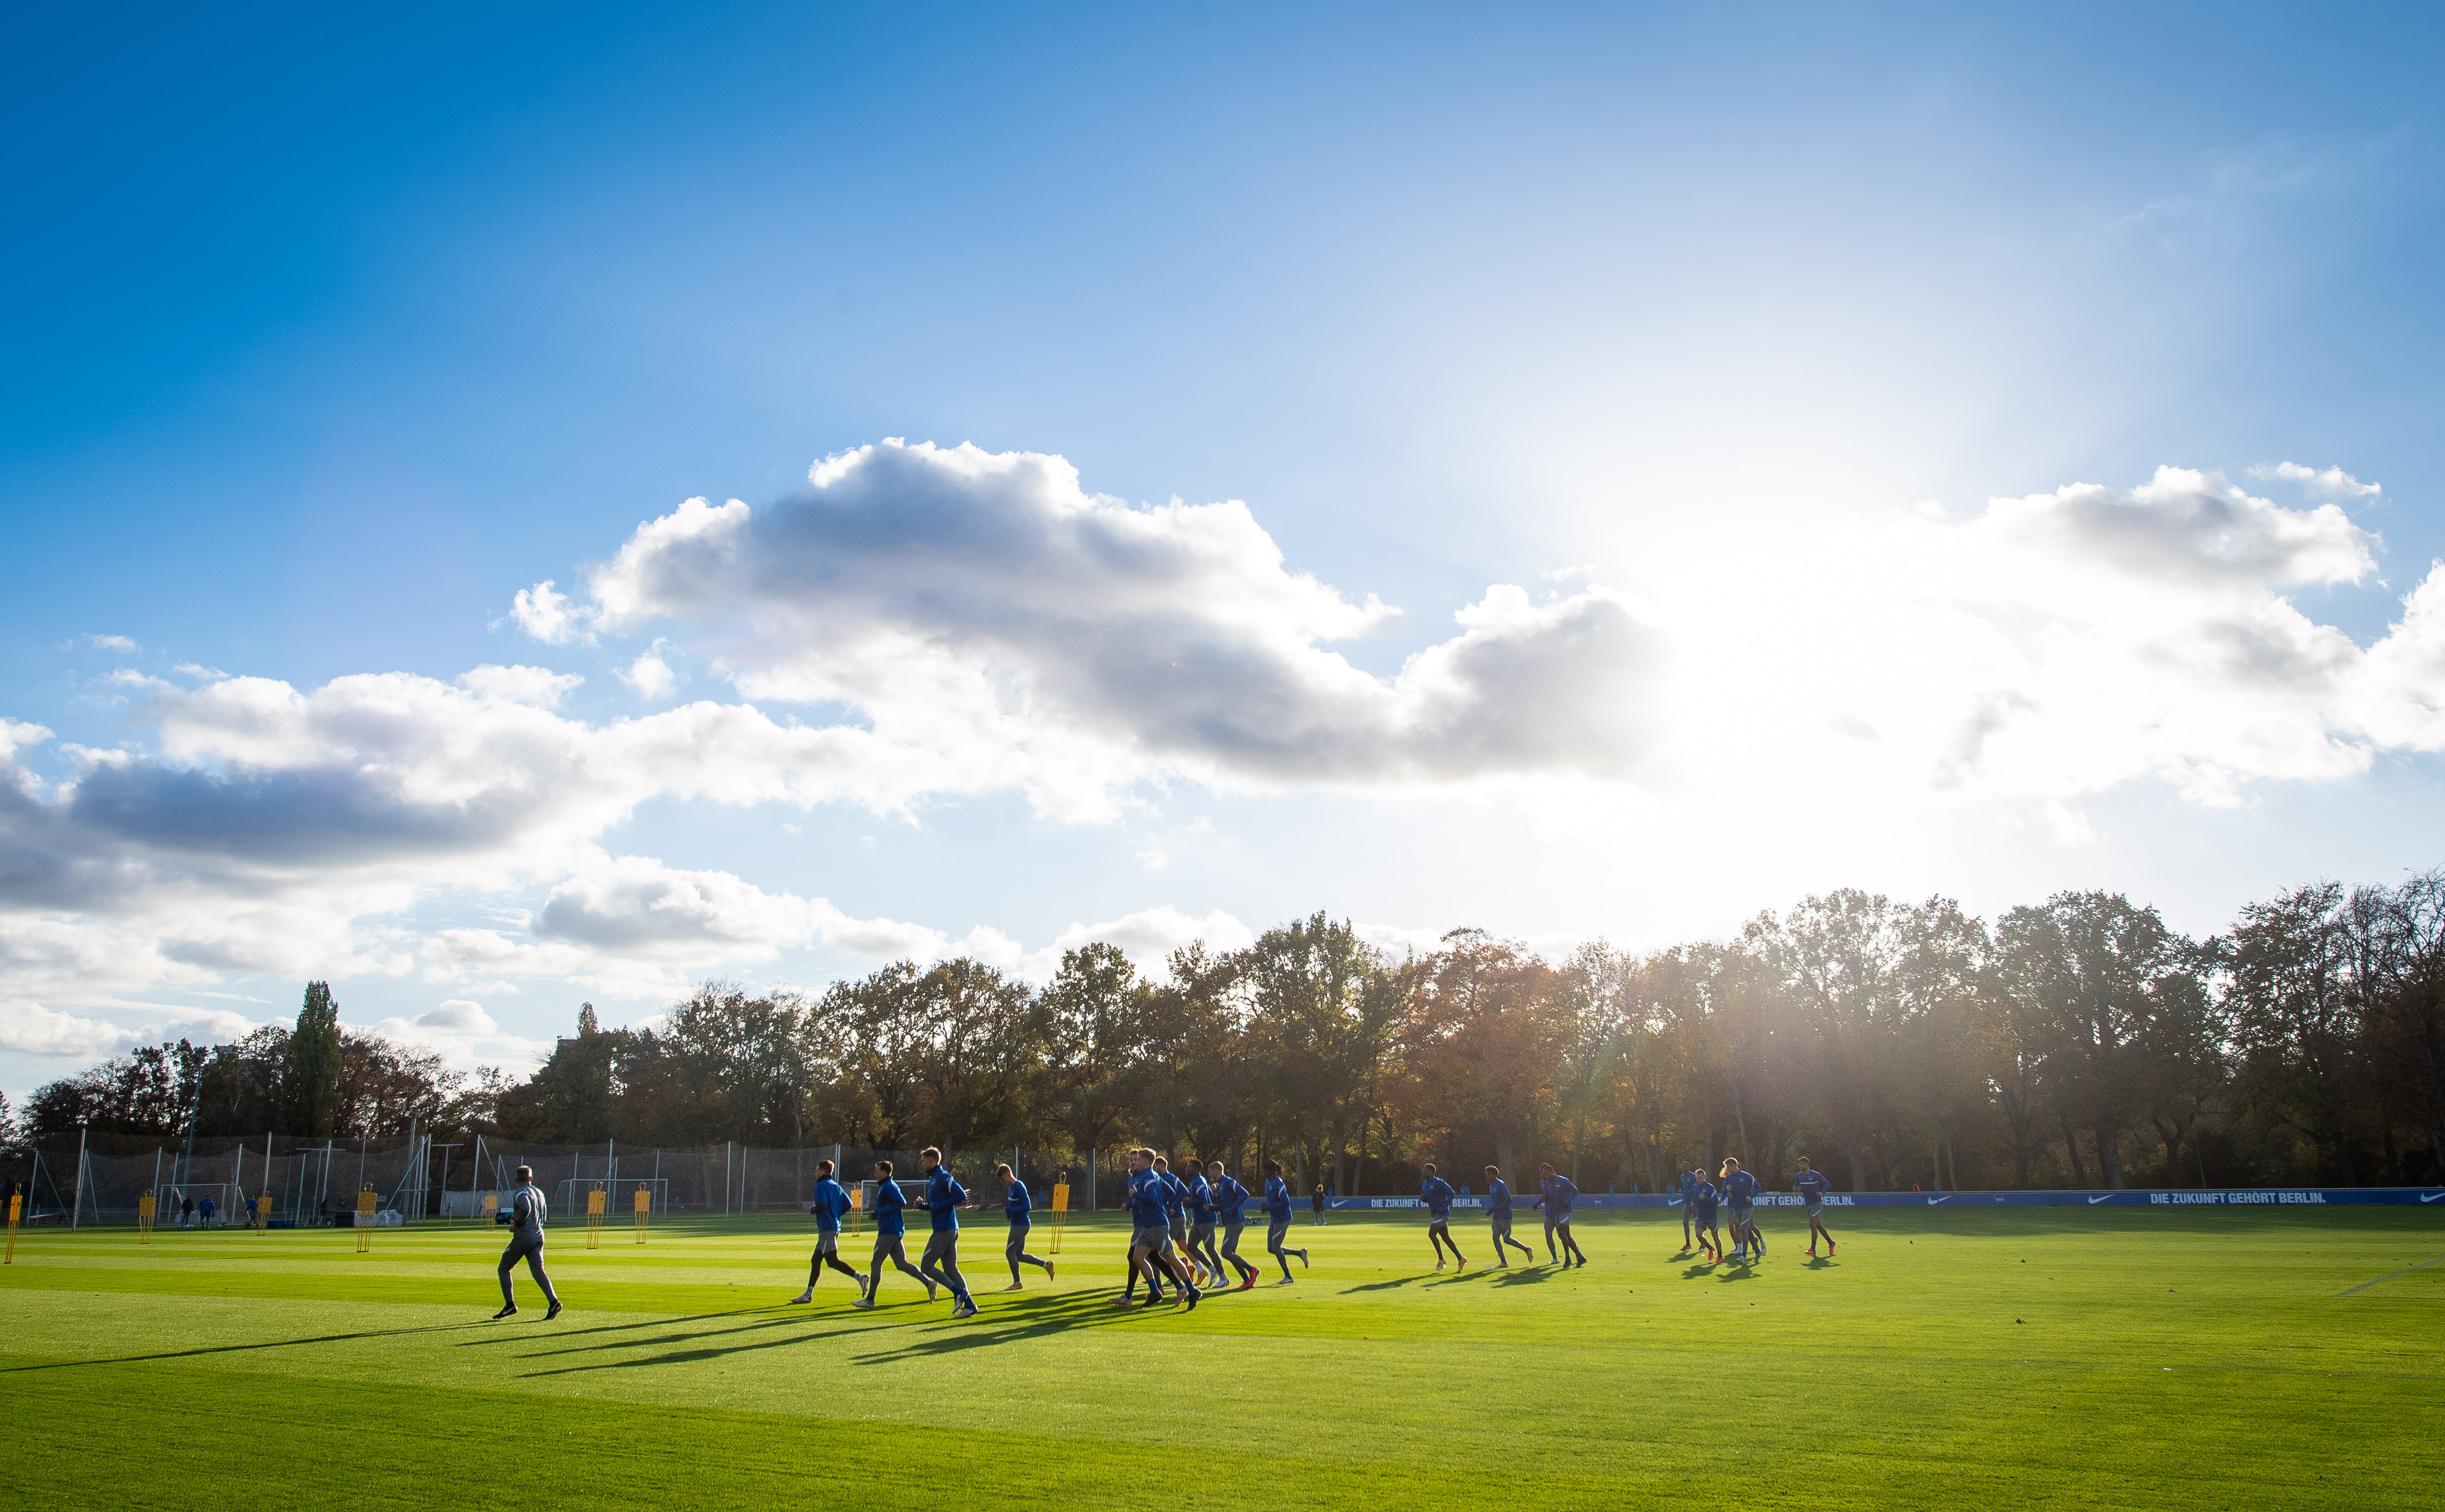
(465, 1036)
(533, 686)
(31, 1029)
(113, 643)
(983, 606)
(546, 614)
(1147, 937)
(2332, 482)
(651, 674)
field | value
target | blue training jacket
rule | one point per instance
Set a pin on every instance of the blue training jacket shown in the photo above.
(1438, 1194)
(1229, 1199)
(1497, 1200)
(888, 1206)
(1015, 1204)
(831, 1203)
(1277, 1199)
(944, 1195)
(1175, 1193)
(1147, 1207)
(1741, 1188)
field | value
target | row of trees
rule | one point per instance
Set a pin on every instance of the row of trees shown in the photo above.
(2078, 1041)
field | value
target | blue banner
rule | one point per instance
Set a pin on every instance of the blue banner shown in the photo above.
(2137, 1197)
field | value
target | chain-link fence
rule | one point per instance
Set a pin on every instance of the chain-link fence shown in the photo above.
(307, 1182)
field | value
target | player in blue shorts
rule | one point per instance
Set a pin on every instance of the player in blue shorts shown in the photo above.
(1555, 1194)
(1230, 1205)
(1703, 1196)
(1152, 1274)
(1497, 1216)
(1175, 1204)
(831, 1202)
(1688, 1197)
(1739, 1190)
(1810, 1184)
(1437, 1194)
(1277, 1220)
(1150, 1246)
(1201, 1225)
(890, 1231)
(943, 1198)
(1015, 1208)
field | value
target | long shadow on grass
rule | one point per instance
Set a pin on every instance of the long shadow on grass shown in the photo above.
(1038, 1315)
(1386, 1286)
(239, 1349)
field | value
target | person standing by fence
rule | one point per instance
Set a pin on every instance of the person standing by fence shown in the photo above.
(526, 1217)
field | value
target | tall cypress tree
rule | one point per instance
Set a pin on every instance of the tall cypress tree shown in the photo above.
(310, 1074)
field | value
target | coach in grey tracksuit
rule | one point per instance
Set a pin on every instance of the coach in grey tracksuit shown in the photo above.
(527, 1213)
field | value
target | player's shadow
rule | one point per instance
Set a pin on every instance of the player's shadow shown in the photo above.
(1739, 1273)
(1524, 1274)
(1819, 1263)
(509, 1332)
(241, 1349)
(1384, 1286)
(1051, 1316)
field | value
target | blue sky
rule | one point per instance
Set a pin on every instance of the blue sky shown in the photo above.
(1714, 336)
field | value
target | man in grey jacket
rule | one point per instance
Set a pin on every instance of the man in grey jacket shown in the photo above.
(526, 1218)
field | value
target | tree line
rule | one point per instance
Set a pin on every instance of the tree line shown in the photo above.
(2079, 1041)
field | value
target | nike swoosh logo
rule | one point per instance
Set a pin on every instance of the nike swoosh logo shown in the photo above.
(1932, 1201)
(2107, 1198)
(2425, 1198)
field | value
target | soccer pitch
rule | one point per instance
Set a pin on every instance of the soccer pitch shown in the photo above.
(2198, 1358)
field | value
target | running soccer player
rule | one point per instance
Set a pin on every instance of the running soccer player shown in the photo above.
(526, 1217)
(1152, 1274)
(1739, 1190)
(890, 1229)
(1704, 1197)
(1150, 1246)
(1014, 1207)
(1175, 1205)
(829, 1204)
(1437, 1194)
(1688, 1197)
(1201, 1225)
(1497, 1216)
(1555, 1194)
(943, 1197)
(1810, 1184)
(1277, 1219)
(1230, 1204)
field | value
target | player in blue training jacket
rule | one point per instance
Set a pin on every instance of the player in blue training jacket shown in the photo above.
(1014, 1207)
(1150, 1246)
(1497, 1215)
(1277, 1220)
(1153, 1274)
(1739, 1190)
(1555, 1194)
(1201, 1225)
(1703, 1196)
(943, 1198)
(890, 1230)
(1230, 1206)
(831, 1203)
(1437, 1194)
(1688, 1214)
(1175, 1207)
(1810, 1184)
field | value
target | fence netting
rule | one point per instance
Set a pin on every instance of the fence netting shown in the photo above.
(306, 1182)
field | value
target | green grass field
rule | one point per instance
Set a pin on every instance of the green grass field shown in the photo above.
(2198, 1358)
